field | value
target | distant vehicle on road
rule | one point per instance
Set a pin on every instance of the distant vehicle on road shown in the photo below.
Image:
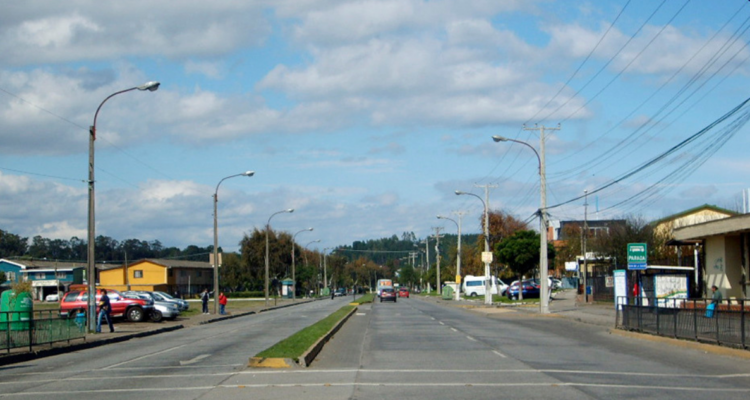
(387, 294)
(403, 292)
(384, 283)
(340, 292)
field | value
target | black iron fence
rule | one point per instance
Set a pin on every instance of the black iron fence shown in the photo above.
(725, 323)
(30, 328)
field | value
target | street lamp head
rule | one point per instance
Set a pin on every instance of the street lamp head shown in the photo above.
(310, 229)
(291, 210)
(440, 217)
(458, 192)
(150, 86)
(249, 173)
(498, 138)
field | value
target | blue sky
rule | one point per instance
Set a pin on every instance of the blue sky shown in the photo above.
(363, 116)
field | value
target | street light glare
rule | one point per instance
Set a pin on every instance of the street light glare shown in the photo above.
(150, 86)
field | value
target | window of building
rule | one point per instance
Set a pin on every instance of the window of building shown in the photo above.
(183, 273)
(138, 273)
(40, 276)
(60, 275)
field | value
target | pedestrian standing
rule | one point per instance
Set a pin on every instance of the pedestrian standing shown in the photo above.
(105, 311)
(222, 303)
(204, 299)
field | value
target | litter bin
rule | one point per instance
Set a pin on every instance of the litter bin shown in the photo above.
(15, 309)
(447, 293)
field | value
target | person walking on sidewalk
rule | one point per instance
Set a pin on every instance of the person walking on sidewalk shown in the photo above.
(105, 309)
(222, 303)
(204, 299)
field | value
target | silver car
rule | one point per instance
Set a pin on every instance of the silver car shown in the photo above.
(162, 309)
(181, 304)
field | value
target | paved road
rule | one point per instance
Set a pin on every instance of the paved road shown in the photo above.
(421, 350)
(416, 349)
(202, 362)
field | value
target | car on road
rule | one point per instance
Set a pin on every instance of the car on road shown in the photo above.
(134, 310)
(529, 288)
(403, 292)
(162, 309)
(340, 292)
(387, 294)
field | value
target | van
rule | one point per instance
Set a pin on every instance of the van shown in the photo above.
(473, 286)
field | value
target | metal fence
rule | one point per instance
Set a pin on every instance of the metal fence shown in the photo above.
(688, 319)
(24, 328)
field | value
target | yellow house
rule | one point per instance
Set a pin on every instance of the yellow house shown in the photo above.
(186, 278)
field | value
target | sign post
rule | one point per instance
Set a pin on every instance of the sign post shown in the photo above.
(637, 256)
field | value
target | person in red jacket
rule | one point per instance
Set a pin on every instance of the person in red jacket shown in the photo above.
(222, 303)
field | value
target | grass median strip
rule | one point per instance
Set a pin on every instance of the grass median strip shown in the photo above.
(294, 346)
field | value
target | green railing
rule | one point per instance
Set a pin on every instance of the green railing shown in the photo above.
(27, 329)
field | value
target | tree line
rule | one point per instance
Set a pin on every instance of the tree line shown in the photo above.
(514, 245)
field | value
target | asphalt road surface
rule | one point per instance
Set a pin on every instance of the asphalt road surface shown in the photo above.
(413, 349)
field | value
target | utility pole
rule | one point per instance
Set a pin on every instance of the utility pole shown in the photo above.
(487, 256)
(543, 269)
(427, 257)
(585, 240)
(437, 251)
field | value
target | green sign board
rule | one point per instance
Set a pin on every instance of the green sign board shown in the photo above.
(637, 256)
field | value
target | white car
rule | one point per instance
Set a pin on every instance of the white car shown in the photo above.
(52, 297)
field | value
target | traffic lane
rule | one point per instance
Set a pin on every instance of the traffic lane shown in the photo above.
(395, 350)
(192, 358)
(583, 356)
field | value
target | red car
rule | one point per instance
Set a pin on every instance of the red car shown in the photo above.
(134, 310)
(387, 294)
(403, 292)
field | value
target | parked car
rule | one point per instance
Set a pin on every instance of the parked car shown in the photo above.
(340, 292)
(162, 309)
(387, 294)
(134, 310)
(403, 292)
(52, 297)
(181, 304)
(529, 289)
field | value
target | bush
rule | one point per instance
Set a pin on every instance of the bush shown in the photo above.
(245, 295)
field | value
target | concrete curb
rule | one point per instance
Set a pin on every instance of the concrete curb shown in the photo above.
(308, 356)
(22, 357)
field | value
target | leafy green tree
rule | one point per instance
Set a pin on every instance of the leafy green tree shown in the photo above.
(12, 245)
(520, 252)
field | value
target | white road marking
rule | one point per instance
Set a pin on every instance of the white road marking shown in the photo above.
(145, 356)
(194, 360)
(499, 353)
(471, 338)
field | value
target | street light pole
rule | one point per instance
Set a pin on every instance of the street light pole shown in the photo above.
(458, 256)
(268, 228)
(543, 268)
(294, 279)
(91, 257)
(305, 255)
(487, 277)
(216, 239)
